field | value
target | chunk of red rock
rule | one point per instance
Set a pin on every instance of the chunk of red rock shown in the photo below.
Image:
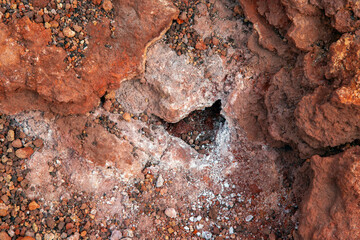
(327, 117)
(33, 205)
(107, 5)
(299, 111)
(267, 37)
(96, 2)
(110, 95)
(17, 143)
(215, 41)
(306, 30)
(330, 209)
(68, 32)
(274, 12)
(25, 152)
(54, 24)
(38, 143)
(127, 117)
(3, 212)
(39, 3)
(26, 238)
(77, 28)
(4, 236)
(10, 135)
(200, 45)
(170, 212)
(49, 86)
(100, 146)
(344, 62)
(107, 105)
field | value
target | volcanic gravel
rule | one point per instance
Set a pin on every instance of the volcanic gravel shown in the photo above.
(66, 19)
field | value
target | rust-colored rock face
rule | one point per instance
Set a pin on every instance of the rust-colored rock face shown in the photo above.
(33, 75)
(331, 210)
(303, 61)
(99, 145)
(306, 95)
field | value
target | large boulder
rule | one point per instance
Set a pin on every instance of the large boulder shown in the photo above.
(34, 75)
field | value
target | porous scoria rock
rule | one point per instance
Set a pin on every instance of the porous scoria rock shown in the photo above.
(267, 37)
(327, 117)
(344, 14)
(308, 99)
(330, 210)
(33, 76)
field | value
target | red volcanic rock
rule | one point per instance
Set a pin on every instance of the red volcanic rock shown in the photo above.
(331, 118)
(274, 12)
(33, 76)
(267, 37)
(324, 121)
(307, 30)
(98, 145)
(25, 152)
(330, 209)
(311, 102)
(105, 67)
(4, 236)
(298, 109)
(344, 14)
(344, 62)
(39, 3)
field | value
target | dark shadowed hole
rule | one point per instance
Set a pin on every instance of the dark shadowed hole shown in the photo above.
(199, 129)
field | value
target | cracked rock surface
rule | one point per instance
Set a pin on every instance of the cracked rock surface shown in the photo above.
(34, 75)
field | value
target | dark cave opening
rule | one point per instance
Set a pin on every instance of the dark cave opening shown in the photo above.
(199, 128)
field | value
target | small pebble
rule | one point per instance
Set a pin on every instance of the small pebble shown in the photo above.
(170, 212)
(54, 24)
(107, 5)
(49, 236)
(17, 143)
(38, 143)
(33, 205)
(160, 181)
(77, 28)
(249, 218)
(127, 117)
(10, 136)
(128, 233)
(68, 32)
(25, 152)
(116, 235)
(3, 212)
